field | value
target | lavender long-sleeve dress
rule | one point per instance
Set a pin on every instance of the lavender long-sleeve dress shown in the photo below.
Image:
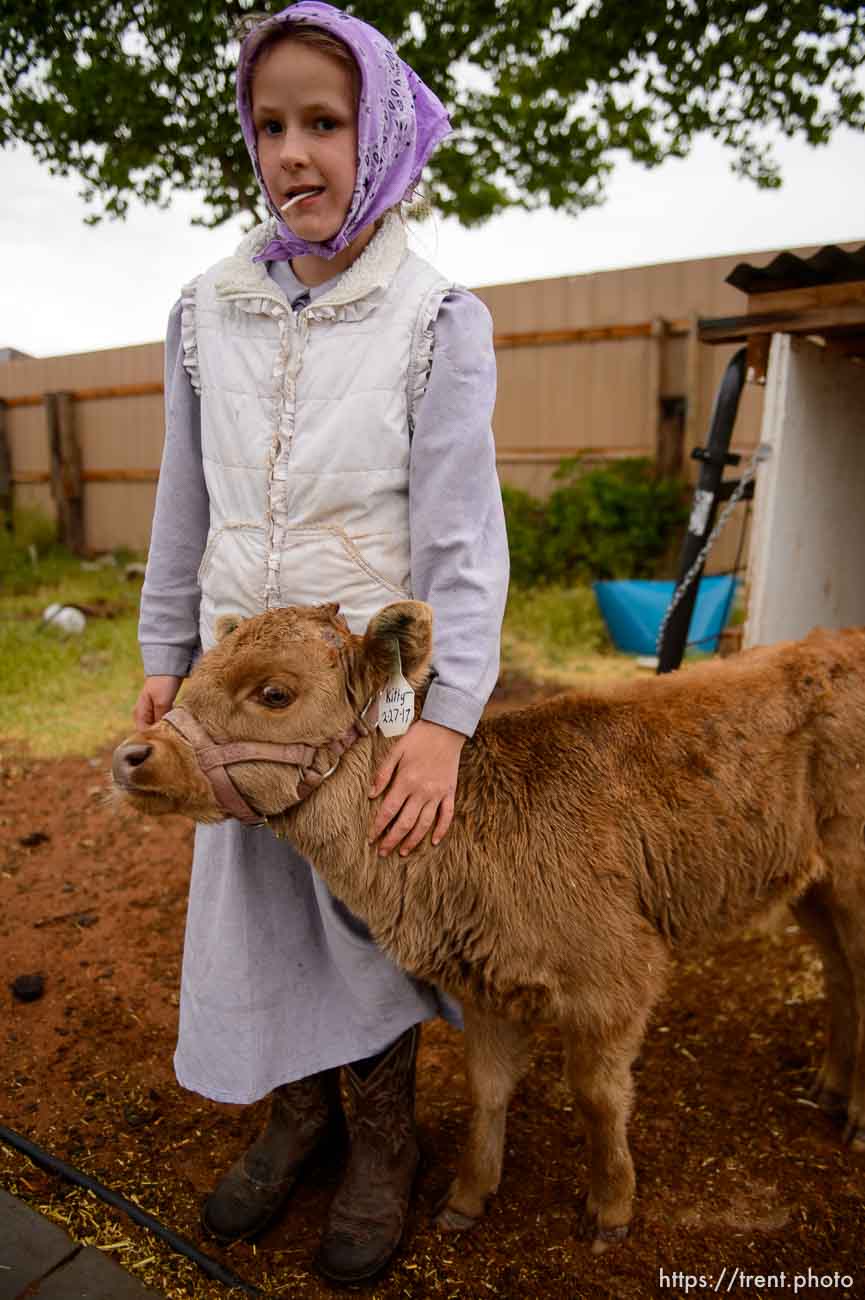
(279, 980)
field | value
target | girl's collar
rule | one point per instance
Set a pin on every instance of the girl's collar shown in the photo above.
(284, 275)
(239, 276)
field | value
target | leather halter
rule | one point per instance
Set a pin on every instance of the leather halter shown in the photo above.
(215, 758)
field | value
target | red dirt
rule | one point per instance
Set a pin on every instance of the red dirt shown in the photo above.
(736, 1169)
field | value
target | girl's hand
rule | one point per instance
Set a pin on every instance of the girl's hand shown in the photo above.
(156, 698)
(422, 771)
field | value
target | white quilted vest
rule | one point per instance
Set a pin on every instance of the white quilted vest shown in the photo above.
(305, 425)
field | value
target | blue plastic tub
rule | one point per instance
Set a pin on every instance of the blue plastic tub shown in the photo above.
(634, 609)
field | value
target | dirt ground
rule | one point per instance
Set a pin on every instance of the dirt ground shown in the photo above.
(736, 1169)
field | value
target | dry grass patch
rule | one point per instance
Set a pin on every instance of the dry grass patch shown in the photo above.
(556, 635)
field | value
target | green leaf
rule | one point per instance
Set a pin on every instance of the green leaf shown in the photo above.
(136, 97)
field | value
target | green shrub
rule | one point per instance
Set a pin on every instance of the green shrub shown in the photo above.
(525, 520)
(614, 521)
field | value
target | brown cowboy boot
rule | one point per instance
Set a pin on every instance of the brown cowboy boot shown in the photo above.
(304, 1116)
(367, 1217)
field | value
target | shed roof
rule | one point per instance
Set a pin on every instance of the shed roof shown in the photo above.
(830, 265)
(821, 297)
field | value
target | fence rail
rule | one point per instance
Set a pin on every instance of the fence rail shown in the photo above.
(592, 334)
(93, 394)
(91, 476)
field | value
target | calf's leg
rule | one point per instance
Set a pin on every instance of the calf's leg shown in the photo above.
(845, 853)
(599, 1074)
(815, 913)
(497, 1055)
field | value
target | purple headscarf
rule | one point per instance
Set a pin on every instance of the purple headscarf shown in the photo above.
(399, 123)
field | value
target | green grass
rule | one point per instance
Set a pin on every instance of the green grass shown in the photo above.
(63, 694)
(557, 634)
(67, 695)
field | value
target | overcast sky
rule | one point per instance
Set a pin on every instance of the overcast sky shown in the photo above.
(68, 287)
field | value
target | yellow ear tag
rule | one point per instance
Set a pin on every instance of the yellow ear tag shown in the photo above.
(395, 702)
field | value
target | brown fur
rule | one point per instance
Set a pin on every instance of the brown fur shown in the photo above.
(593, 835)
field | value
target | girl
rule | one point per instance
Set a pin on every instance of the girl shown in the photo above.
(329, 398)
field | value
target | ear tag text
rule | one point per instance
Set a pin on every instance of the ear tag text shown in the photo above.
(395, 701)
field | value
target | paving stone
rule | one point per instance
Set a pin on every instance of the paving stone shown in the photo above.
(91, 1275)
(30, 1246)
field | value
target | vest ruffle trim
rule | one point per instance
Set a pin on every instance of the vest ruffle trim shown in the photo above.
(189, 333)
(423, 346)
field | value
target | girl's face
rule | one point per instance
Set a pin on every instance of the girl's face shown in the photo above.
(303, 107)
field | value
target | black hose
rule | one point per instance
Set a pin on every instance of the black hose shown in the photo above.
(45, 1160)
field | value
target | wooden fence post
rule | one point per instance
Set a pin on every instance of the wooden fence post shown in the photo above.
(693, 431)
(5, 472)
(653, 413)
(65, 471)
(669, 456)
(666, 415)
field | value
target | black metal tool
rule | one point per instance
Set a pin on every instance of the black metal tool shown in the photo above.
(714, 458)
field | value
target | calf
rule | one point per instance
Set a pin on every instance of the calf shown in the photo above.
(594, 834)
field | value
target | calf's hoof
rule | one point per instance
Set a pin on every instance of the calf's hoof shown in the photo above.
(603, 1236)
(854, 1136)
(607, 1237)
(448, 1219)
(831, 1102)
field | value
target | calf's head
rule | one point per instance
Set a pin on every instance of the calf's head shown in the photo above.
(293, 677)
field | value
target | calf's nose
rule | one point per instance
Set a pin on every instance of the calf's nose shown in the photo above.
(127, 757)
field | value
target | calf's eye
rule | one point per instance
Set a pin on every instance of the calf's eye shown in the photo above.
(275, 697)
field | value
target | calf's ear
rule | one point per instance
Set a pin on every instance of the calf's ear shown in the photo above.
(409, 623)
(226, 623)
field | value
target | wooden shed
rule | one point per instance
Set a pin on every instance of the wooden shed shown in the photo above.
(804, 327)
